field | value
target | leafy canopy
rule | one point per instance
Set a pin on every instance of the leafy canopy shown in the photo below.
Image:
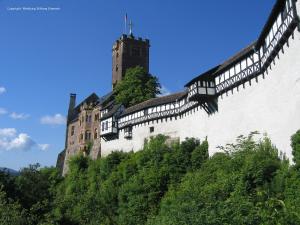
(163, 184)
(296, 148)
(137, 86)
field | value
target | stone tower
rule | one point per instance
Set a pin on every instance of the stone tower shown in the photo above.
(128, 52)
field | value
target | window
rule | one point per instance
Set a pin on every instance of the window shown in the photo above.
(96, 133)
(117, 68)
(87, 135)
(90, 118)
(72, 130)
(151, 129)
(265, 47)
(106, 125)
(144, 51)
(97, 117)
(135, 51)
(284, 13)
(102, 126)
(128, 132)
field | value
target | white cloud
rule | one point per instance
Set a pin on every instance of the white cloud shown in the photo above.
(2, 111)
(20, 116)
(43, 147)
(10, 140)
(2, 90)
(21, 142)
(57, 119)
(164, 91)
(7, 132)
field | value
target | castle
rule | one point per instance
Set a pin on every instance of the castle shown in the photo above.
(257, 89)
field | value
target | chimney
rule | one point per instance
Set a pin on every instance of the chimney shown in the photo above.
(71, 104)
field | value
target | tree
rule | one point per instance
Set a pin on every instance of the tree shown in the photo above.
(296, 148)
(10, 212)
(137, 86)
(199, 155)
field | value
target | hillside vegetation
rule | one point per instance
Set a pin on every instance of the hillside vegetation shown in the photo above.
(161, 185)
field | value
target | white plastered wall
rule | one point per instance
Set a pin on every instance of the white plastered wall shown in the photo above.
(271, 105)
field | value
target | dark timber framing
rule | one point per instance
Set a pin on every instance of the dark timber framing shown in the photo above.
(249, 63)
(256, 58)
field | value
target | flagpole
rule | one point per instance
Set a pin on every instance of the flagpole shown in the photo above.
(125, 24)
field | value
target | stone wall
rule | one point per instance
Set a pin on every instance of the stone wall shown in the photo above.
(75, 143)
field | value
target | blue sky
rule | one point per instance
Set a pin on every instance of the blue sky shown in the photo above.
(45, 55)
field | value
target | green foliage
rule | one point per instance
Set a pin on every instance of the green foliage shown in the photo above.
(296, 148)
(8, 184)
(27, 198)
(123, 188)
(10, 212)
(163, 184)
(137, 86)
(199, 155)
(242, 186)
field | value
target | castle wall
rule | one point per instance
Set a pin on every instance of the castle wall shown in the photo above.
(271, 105)
(76, 143)
(73, 145)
